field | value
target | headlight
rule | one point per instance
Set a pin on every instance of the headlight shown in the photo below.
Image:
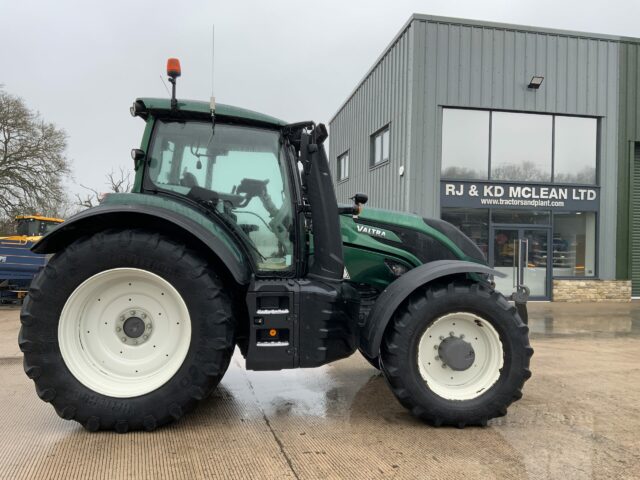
(397, 269)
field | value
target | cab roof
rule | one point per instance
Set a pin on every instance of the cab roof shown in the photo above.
(199, 108)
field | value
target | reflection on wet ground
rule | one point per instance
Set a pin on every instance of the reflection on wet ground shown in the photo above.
(596, 320)
(579, 418)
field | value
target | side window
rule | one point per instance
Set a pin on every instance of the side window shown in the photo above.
(343, 166)
(380, 146)
(240, 170)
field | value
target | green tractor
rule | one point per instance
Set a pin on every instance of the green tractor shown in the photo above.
(232, 236)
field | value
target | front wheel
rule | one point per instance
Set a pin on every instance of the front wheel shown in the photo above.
(456, 354)
(126, 330)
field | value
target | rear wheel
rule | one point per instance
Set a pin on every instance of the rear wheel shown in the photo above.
(126, 330)
(457, 354)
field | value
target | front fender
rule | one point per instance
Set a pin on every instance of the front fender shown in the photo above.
(397, 292)
(168, 217)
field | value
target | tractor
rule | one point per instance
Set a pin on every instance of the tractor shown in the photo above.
(232, 237)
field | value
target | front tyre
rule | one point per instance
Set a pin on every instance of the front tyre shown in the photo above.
(126, 330)
(456, 354)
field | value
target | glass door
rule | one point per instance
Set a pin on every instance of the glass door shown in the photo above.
(523, 251)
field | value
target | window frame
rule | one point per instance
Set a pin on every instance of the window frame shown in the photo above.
(372, 146)
(489, 179)
(339, 160)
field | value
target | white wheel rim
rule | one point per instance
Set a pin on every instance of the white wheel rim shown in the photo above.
(485, 369)
(98, 351)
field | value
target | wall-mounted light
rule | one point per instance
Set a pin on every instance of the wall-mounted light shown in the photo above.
(535, 82)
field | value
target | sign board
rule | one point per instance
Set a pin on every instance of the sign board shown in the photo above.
(467, 194)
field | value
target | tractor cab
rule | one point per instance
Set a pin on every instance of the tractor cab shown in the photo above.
(33, 226)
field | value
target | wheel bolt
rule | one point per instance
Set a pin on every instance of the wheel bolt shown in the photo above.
(148, 326)
(124, 339)
(436, 358)
(145, 336)
(136, 342)
(118, 329)
(143, 315)
(122, 318)
(435, 347)
(441, 337)
(444, 365)
(451, 334)
(461, 336)
(132, 312)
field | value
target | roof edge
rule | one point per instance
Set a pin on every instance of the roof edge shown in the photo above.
(522, 28)
(476, 23)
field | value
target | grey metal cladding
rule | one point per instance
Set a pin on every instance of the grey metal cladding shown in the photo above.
(382, 98)
(629, 132)
(437, 62)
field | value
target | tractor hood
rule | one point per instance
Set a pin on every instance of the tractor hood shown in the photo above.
(419, 240)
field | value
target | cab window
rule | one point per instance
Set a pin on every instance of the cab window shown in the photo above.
(240, 171)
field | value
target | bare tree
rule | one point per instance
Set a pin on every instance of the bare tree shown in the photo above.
(33, 164)
(117, 182)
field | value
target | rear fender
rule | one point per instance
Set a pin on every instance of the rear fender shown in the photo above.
(196, 229)
(397, 292)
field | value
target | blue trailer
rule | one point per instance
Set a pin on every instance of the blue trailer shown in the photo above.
(18, 264)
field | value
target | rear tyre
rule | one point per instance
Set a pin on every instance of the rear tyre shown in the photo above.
(456, 354)
(126, 330)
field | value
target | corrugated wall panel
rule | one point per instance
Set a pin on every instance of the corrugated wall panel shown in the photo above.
(635, 223)
(382, 98)
(470, 65)
(628, 81)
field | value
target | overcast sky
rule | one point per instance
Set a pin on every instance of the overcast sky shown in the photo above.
(82, 63)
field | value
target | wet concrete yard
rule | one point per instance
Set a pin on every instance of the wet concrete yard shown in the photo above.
(579, 418)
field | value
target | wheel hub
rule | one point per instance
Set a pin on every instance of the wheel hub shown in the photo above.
(456, 353)
(133, 327)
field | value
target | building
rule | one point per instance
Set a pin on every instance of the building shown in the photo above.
(525, 138)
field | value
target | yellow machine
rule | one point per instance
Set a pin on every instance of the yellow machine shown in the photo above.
(31, 227)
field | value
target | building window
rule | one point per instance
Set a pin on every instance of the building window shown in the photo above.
(343, 166)
(521, 145)
(575, 146)
(574, 244)
(380, 146)
(518, 147)
(465, 144)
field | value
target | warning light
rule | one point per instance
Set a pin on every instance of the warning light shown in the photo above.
(273, 332)
(173, 68)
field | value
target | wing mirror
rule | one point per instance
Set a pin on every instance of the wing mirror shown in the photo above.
(359, 199)
(137, 154)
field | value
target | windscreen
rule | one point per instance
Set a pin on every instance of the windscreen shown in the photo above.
(238, 170)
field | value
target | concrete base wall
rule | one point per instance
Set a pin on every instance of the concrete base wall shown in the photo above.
(591, 291)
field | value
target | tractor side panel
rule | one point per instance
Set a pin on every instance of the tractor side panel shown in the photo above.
(300, 323)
